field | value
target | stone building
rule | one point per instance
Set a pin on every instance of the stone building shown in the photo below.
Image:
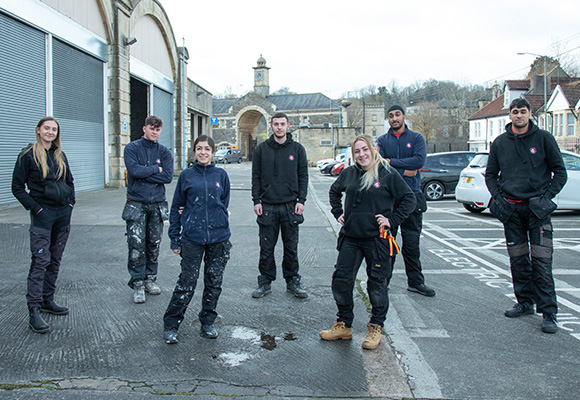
(99, 67)
(316, 120)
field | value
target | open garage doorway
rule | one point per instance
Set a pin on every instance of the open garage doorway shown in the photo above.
(139, 107)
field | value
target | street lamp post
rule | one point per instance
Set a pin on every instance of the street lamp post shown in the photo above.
(545, 85)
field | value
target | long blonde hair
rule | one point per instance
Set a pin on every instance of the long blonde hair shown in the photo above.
(372, 174)
(39, 152)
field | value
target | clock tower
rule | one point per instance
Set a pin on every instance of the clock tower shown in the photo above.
(261, 78)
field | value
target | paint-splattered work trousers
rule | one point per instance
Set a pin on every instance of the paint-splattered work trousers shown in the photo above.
(144, 230)
(215, 257)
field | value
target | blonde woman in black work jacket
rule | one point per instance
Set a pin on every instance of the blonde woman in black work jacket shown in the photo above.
(43, 169)
(372, 190)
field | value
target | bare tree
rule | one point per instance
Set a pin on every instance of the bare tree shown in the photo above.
(426, 118)
(568, 61)
(284, 90)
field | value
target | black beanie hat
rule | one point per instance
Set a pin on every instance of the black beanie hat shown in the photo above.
(396, 107)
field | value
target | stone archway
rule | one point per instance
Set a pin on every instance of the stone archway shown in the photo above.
(248, 120)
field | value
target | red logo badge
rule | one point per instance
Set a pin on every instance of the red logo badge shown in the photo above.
(291, 158)
(408, 145)
(158, 161)
(533, 150)
(217, 184)
(377, 185)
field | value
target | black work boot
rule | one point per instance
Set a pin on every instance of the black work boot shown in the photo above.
(50, 306)
(208, 332)
(519, 309)
(37, 324)
(549, 323)
(262, 290)
(293, 286)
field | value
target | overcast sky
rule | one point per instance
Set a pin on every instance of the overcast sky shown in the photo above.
(336, 46)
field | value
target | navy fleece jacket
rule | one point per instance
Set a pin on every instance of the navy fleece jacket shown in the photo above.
(408, 151)
(145, 183)
(204, 192)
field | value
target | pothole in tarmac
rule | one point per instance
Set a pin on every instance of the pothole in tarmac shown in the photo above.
(262, 339)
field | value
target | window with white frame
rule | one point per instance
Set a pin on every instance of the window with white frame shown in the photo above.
(570, 124)
(491, 128)
(560, 124)
(477, 127)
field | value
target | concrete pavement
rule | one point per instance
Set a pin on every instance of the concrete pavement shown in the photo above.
(109, 347)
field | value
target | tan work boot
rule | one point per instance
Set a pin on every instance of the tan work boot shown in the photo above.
(373, 337)
(338, 331)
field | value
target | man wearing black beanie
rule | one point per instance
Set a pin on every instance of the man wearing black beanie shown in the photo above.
(406, 151)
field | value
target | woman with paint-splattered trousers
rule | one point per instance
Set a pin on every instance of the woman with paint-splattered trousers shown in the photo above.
(199, 231)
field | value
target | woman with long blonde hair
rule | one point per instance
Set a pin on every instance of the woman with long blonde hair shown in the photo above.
(372, 190)
(43, 183)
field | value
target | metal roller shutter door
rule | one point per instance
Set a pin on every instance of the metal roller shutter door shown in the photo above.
(163, 108)
(79, 108)
(22, 94)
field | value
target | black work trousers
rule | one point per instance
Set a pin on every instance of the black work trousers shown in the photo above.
(379, 274)
(144, 231)
(411, 248)
(49, 231)
(278, 218)
(215, 257)
(530, 248)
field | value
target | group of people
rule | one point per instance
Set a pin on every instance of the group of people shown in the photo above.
(382, 194)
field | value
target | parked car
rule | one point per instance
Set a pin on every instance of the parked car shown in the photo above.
(472, 192)
(227, 156)
(440, 174)
(328, 168)
(337, 168)
(323, 163)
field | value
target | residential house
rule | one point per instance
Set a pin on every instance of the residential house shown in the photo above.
(563, 110)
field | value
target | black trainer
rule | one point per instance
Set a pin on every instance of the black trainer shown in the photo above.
(293, 286)
(519, 309)
(261, 291)
(549, 323)
(170, 336)
(51, 307)
(422, 289)
(208, 332)
(37, 324)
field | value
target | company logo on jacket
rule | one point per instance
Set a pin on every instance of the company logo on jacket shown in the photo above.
(533, 150)
(217, 184)
(377, 184)
(291, 157)
(408, 145)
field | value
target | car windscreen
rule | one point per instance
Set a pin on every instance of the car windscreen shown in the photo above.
(479, 161)
(220, 152)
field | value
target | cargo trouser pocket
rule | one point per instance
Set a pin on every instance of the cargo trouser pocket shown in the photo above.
(132, 211)
(294, 218)
(164, 211)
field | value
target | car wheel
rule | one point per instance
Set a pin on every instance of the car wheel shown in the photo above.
(240, 160)
(226, 161)
(433, 191)
(473, 209)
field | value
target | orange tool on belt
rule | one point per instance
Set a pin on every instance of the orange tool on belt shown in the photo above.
(386, 234)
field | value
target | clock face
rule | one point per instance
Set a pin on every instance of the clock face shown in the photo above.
(259, 76)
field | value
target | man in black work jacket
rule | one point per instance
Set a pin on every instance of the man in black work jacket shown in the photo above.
(524, 172)
(279, 186)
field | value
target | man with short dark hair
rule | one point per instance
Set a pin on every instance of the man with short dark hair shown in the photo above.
(149, 167)
(524, 172)
(406, 150)
(279, 186)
